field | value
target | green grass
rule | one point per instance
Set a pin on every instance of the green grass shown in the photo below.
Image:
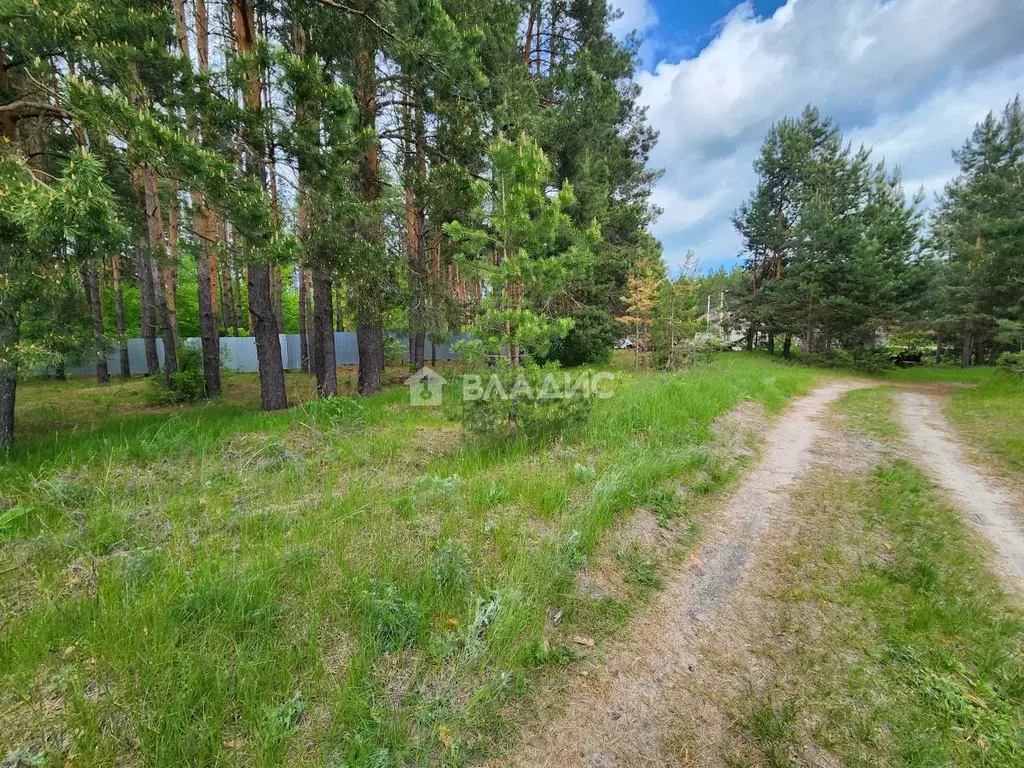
(992, 417)
(870, 412)
(349, 585)
(900, 648)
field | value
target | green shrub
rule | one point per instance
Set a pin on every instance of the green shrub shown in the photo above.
(394, 350)
(335, 411)
(529, 400)
(590, 340)
(187, 385)
(1013, 362)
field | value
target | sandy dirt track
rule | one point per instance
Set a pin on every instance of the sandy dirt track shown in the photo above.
(617, 715)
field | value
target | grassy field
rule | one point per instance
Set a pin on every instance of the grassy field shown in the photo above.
(992, 417)
(891, 642)
(352, 584)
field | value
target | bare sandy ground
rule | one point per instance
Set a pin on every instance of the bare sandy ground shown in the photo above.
(980, 498)
(620, 712)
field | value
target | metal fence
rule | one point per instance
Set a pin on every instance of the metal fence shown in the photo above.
(239, 353)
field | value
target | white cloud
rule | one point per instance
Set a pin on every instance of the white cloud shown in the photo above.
(908, 77)
(637, 15)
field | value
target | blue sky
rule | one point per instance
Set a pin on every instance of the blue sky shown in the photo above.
(908, 78)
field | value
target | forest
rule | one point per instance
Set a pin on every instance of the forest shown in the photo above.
(250, 168)
(786, 531)
(422, 169)
(841, 258)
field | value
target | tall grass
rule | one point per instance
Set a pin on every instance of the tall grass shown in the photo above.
(352, 584)
(992, 415)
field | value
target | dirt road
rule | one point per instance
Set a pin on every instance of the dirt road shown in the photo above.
(979, 498)
(617, 714)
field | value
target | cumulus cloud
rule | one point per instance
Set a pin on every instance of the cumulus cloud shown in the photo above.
(907, 77)
(637, 15)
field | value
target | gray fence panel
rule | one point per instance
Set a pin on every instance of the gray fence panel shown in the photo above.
(345, 350)
(239, 353)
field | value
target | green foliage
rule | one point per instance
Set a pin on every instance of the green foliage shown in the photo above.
(831, 240)
(590, 339)
(187, 385)
(531, 400)
(1013, 362)
(978, 285)
(336, 411)
(523, 256)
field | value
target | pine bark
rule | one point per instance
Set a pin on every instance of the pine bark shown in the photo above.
(305, 320)
(263, 323)
(204, 220)
(9, 334)
(369, 317)
(158, 246)
(91, 281)
(370, 346)
(115, 271)
(147, 305)
(323, 335)
(339, 306)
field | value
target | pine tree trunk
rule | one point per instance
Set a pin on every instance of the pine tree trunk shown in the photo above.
(147, 302)
(304, 320)
(8, 383)
(771, 342)
(169, 272)
(204, 221)
(208, 330)
(158, 246)
(339, 306)
(268, 344)
(370, 344)
(230, 314)
(90, 278)
(787, 346)
(323, 335)
(968, 346)
(262, 320)
(166, 330)
(115, 269)
(750, 337)
(938, 350)
(369, 310)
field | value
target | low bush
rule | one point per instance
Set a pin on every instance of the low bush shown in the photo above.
(187, 385)
(590, 340)
(1013, 362)
(530, 400)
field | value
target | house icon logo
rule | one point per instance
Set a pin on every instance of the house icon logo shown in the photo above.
(425, 387)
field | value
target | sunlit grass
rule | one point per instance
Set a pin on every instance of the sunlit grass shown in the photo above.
(357, 585)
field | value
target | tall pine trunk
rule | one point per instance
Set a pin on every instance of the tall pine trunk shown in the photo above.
(90, 278)
(263, 323)
(323, 335)
(304, 320)
(369, 312)
(787, 346)
(968, 346)
(9, 333)
(147, 306)
(370, 346)
(208, 330)
(115, 271)
(203, 220)
(158, 247)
